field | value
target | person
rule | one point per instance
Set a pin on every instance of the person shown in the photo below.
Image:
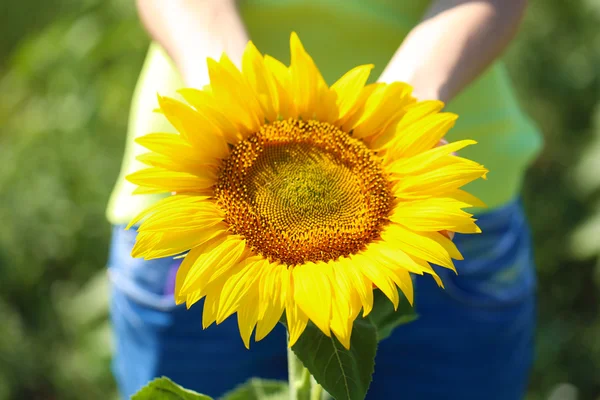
(473, 340)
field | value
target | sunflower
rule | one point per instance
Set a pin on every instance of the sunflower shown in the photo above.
(290, 195)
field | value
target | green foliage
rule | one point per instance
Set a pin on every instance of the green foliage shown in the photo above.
(165, 389)
(66, 81)
(555, 64)
(345, 374)
(67, 73)
(260, 389)
(255, 389)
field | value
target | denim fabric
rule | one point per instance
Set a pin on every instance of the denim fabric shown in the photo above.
(473, 340)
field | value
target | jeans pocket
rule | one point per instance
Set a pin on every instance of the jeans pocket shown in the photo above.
(498, 267)
(147, 282)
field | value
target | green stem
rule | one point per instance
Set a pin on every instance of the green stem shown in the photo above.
(299, 378)
(316, 390)
(302, 385)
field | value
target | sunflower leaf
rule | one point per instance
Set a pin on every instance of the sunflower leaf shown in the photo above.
(385, 318)
(259, 389)
(345, 374)
(165, 389)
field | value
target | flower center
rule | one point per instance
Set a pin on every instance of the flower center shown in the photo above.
(303, 191)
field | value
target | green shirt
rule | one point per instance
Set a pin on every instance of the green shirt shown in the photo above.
(339, 35)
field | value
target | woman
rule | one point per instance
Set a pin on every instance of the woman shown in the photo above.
(473, 340)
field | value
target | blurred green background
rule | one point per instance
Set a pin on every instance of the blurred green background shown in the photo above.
(67, 71)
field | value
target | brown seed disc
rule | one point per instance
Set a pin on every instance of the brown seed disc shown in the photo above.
(303, 191)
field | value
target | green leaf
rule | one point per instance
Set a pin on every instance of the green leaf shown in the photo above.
(344, 374)
(260, 389)
(385, 319)
(165, 389)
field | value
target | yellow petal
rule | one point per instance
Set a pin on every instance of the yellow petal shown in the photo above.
(296, 319)
(165, 181)
(271, 303)
(175, 164)
(402, 279)
(448, 174)
(312, 292)
(362, 285)
(348, 90)
(211, 305)
(235, 98)
(214, 264)
(467, 198)
(421, 135)
(183, 270)
(421, 245)
(168, 144)
(378, 274)
(281, 73)
(207, 105)
(434, 214)
(194, 127)
(413, 112)
(384, 107)
(165, 204)
(261, 81)
(151, 245)
(344, 307)
(238, 285)
(314, 100)
(182, 216)
(248, 316)
(396, 257)
(410, 165)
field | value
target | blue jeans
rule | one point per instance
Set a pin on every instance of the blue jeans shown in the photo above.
(473, 340)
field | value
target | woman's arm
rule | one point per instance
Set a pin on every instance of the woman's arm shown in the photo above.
(453, 44)
(192, 30)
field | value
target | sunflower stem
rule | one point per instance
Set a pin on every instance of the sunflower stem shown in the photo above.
(299, 378)
(316, 391)
(302, 385)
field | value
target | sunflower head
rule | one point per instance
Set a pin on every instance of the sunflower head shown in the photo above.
(296, 196)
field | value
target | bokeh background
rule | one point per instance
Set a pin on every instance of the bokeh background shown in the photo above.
(67, 72)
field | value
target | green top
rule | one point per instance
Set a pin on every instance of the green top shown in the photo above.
(341, 34)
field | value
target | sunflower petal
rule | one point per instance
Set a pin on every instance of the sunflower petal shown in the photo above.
(248, 316)
(362, 285)
(296, 319)
(282, 76)
(421, 245)
(165, 181)
(384, 107)
(262, 81)
(206, 105)
(194, 127)
(151, 245)
(345, 307)
(314, 100)
(435, 214)
(218, 261)
(419, 162)
(272, 303)
(451, 173)
(348, 90)
(312, 292)
(378, 274)
(421, 135)
(232, 96)
(238, 285)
